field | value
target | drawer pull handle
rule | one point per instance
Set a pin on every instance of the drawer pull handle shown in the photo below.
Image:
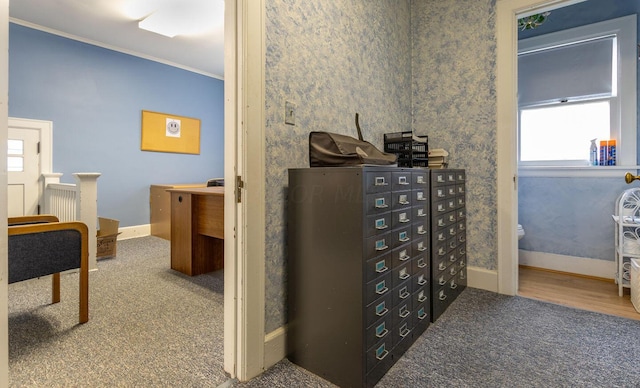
(404, 331)
(404, 257)
(403, 180)
(381, 310)
(381, 352)
(441, 222)
(381, 203)
(441, 208)
(462, 263)
(421, 231)
(462, 276)
(381, 267)
(441, 281)
(381, 288)
(382, 226)
(422, 314)
(404, 313)
(381, 246)
(462, 251)
(452, 258)
(404, 276)
(421, 247)
(381, 331)
(403, 237)
(442, 266)
(442, 296)
(404, 293)
(422, 281)
(404, 220)
(421, 263)
(441, 252)
(452, 271)
(421, 213)
(453, 286)
(441, 237)
(422, 297)
(380, 181)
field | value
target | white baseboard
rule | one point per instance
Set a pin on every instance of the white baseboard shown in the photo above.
(275, 346)
(572, 264)
(128, 232)
(483, 279)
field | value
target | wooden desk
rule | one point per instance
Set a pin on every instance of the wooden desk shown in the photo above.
(197, 229)
(160, 207)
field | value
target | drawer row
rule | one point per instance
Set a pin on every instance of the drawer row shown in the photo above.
(447, 177)
(381, 223)
(379, 181)
(399, 283)
(382, 202)
(399, 259)
(441, 278)
(377, 306)
(382, 244)
(443, 220)
(448, 191)
(449, 204)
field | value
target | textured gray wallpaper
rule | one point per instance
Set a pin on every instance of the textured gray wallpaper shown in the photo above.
(331, 59)
(454, 102)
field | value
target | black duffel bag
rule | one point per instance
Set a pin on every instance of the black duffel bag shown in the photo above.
(328, 149)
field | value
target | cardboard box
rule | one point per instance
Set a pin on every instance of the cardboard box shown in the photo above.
(107, 238)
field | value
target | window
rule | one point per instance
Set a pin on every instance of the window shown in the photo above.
(574, 86)
(15, 158)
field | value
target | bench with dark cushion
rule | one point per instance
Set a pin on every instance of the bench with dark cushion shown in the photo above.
(40, 246)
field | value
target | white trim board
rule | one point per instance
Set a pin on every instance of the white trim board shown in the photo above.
(482, 278)
(571, 264)
(275, 346)
(135, 231)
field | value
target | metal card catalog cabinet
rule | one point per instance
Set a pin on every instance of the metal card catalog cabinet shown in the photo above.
(448, 238)
(358, 269)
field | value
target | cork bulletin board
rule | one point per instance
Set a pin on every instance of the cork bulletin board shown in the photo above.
(163, 132)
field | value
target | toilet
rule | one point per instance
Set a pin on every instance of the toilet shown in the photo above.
(520, 232)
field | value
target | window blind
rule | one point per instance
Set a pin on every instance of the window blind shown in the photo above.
(578, 70)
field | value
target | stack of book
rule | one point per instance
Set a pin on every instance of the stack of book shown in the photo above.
(438, 158)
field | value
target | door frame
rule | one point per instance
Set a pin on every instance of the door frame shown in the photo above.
(244, 295)
(4, 120)
(507, 107)
(45, 129)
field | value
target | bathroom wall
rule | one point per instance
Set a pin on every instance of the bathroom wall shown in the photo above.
(331, 59)
(572, 216)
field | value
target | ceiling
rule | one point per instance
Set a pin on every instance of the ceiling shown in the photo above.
(114, 24)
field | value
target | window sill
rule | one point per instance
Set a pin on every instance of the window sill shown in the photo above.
(576, 171)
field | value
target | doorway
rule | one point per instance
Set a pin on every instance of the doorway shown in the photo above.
(29, 156)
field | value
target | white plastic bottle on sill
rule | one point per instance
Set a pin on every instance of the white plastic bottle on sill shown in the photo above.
(593, 153)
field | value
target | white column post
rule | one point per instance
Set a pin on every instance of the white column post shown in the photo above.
(87, 209)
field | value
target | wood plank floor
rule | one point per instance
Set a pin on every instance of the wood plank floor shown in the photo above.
(585, 293)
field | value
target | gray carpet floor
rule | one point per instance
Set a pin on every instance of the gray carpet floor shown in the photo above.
(152, 327)
(148, 326)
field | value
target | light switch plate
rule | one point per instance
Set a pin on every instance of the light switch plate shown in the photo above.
(289, 113)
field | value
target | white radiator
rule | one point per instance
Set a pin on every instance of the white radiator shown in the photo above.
(61, 200)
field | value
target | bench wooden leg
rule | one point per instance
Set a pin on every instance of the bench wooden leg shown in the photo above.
(84, 292)
(55, 288)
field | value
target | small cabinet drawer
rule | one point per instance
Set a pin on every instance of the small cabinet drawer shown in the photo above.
(378, 203)
(378, 287)
(377, 181)
(400, 218)
(400, 255)
(378, 267)
(461, 176)
(420, 297)
(420, 229)
(401, 293)
(420, 196)
(420, 212)
(377, 245)
(379, 308)
(400, 199)
(439, 192)
(401, 180)
(420, 263)
(420, 245)
(419, 180)
(401, 274)
(438, 178)
(378, 224)
(379, 331)
(401, 311)
(379, 352)
(401, 236)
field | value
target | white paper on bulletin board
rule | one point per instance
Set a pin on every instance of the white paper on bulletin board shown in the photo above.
(164, 132)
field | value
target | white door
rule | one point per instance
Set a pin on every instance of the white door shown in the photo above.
(28, 156)
(23, 168)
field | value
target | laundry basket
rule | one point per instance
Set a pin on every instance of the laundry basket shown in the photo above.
(635, 283)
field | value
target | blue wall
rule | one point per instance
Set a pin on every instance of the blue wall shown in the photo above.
(94, 97)
(572, 216)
